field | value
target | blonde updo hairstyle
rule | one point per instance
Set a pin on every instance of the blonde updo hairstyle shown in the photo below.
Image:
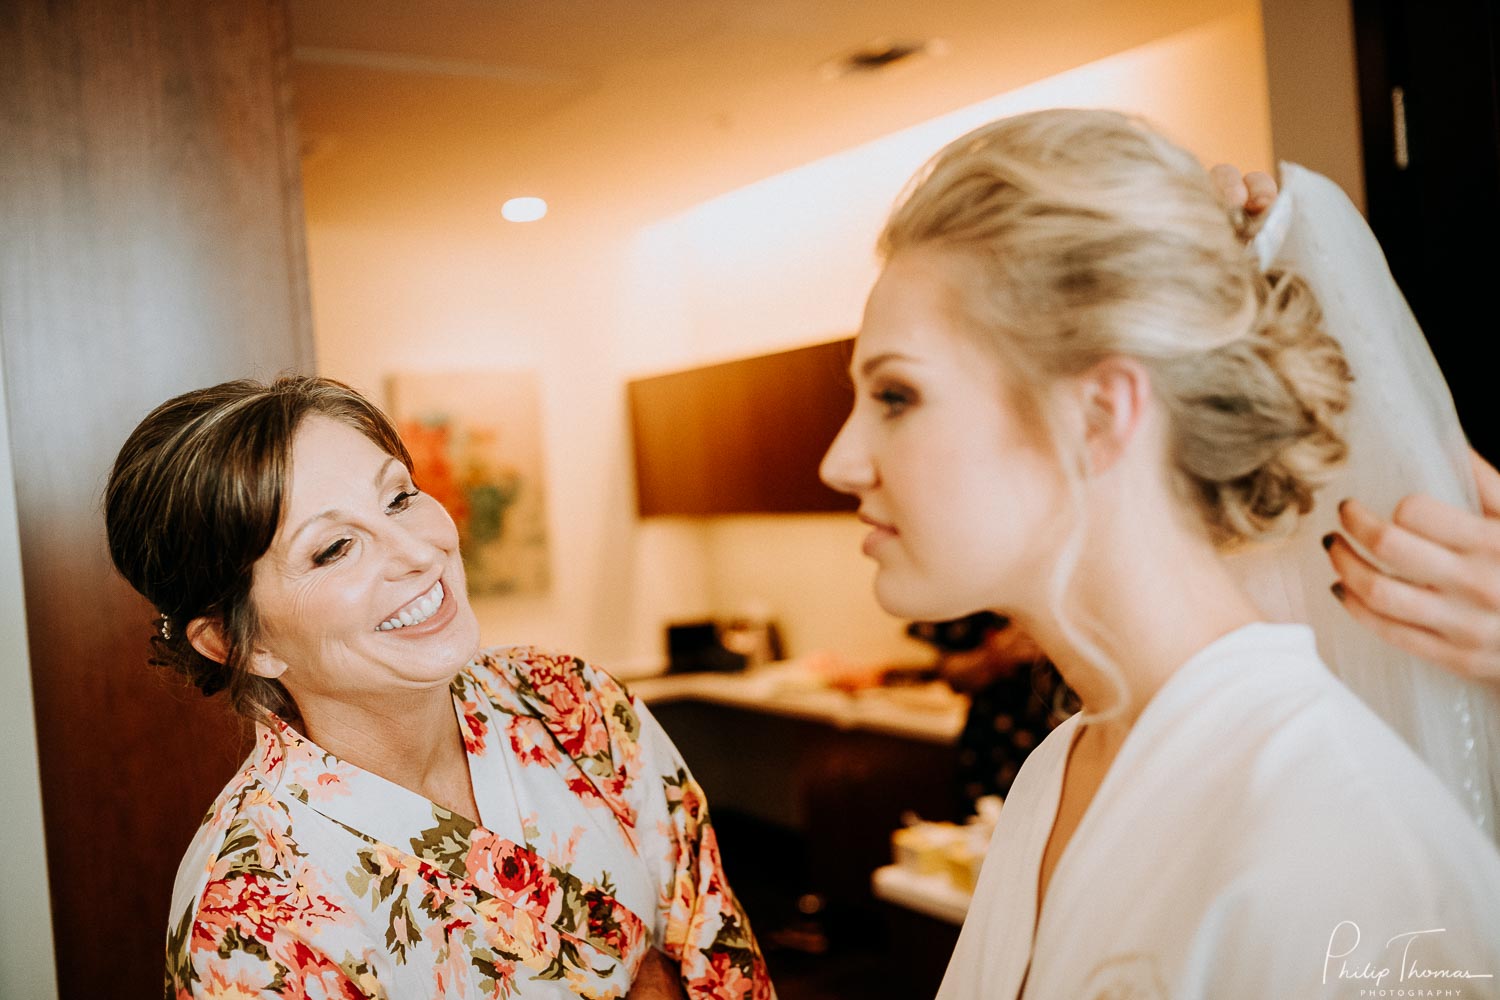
(1090, 237)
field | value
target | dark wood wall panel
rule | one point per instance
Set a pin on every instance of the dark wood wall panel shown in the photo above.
(741, 437)
(152, 221)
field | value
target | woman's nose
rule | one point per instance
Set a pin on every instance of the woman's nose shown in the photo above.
(847, 466)
(411, 551)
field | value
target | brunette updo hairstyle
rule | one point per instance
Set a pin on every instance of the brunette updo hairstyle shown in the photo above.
(195, 498)
(1089, 236)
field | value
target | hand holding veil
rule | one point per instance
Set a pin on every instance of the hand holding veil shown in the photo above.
(1404, 438)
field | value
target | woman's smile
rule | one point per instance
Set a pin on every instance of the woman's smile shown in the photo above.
(423, 615)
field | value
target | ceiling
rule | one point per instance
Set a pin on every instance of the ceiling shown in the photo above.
(633, 110)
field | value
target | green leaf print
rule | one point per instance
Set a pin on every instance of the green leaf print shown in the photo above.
(368, 877)
(502, 983)
(235, 940)
(395, 942)
(568, 958)
(628, 720)
(180, 972)
(447, 843)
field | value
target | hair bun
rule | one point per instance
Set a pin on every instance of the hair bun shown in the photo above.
(1259, 447)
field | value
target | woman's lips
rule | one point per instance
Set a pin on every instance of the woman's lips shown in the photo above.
(882, 532)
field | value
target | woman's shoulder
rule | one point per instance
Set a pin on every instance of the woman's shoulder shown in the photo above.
(564, 691)
(536, 670)
(1303, 769)
(247, 828)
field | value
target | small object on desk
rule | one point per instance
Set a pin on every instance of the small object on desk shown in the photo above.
(931, 895)
(947, 850)
(937, 864)
(694, 647)
(754, 635)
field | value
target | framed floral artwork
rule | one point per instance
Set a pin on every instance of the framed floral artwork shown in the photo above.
(475, 439)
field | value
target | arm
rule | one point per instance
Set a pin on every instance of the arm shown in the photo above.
(233, 944)
(656, 979)
(1433, 588)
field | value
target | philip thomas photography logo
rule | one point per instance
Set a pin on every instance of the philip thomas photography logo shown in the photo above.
(1402, 967)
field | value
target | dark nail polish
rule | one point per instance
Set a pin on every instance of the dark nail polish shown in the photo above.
(1328, 540)
(1338, 591)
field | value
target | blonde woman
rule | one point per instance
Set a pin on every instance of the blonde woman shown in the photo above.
(1076, 392)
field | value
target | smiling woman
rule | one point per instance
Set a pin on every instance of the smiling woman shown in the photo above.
(418, 817)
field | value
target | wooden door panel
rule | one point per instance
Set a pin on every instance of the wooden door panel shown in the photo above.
(151, 206)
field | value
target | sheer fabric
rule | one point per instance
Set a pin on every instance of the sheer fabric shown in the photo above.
(1404, 437)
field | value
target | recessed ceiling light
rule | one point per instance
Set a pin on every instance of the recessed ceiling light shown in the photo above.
(523, 209)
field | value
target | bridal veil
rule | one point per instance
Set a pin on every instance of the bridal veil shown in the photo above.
(1404, 437)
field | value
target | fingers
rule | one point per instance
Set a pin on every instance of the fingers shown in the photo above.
(1402, 602)
(1469, 662)
(1432, 584)
(1233, 191)
(1488, 482)
(1447, 525)
(1261, 191)
(1405, 551)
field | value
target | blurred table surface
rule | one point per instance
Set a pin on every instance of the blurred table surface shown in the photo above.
(933, 895)
(929, 712)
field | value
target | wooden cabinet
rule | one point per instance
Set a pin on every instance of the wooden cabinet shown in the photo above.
(742, 437)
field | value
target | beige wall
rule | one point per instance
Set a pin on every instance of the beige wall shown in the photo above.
(784, 262)
(1314, 89)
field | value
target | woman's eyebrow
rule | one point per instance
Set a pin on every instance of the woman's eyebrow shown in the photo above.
(333, 513)
(870, 364)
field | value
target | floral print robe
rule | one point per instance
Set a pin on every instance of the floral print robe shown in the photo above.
(311, 878)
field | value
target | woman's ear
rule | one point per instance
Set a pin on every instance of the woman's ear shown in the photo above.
(1113, 396)
(207, 637)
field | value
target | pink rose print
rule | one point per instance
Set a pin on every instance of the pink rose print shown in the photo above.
(473, 728)
(531, 742)
(510, 872)
(313, 976)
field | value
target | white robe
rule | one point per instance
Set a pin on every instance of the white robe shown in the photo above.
(1261, 834)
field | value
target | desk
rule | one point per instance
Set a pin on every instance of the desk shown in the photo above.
(805, 784)
(930, 713)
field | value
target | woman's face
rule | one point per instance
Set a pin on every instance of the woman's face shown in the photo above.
(963, 495)
(362, 591)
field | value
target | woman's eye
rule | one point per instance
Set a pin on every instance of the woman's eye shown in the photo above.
(403, 500)
(331, 553)
(893, 400)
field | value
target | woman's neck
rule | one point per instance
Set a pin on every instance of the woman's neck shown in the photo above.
(1148, 602)
(410, 739)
